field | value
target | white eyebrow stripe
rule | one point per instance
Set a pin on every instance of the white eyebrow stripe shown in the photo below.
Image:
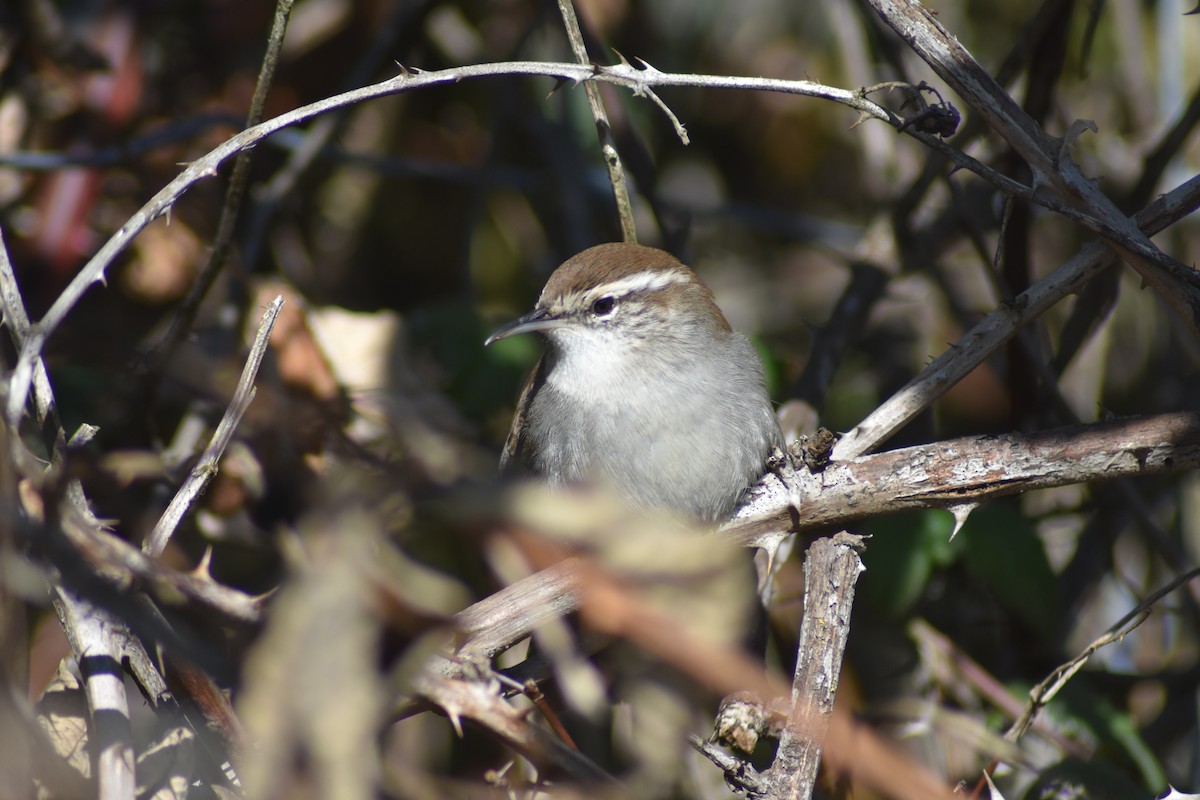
(647, 281)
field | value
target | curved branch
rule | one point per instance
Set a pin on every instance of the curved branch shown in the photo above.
(206, 166)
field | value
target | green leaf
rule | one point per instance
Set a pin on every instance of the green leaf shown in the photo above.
(902, 554)
(1116, 731)
(1004, 553)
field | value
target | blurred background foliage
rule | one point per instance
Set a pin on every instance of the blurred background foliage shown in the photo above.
(429, 218)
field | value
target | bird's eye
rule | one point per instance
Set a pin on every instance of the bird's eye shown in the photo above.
(604, 306)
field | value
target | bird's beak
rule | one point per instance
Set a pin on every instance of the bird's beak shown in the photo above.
(537, 320)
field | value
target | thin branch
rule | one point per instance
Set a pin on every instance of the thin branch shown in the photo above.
(207, 166)
(846, 323)
(206, 468)
(480, 702)
(956, 672)
(489, 628)
(608, 145)
(636, 80)
(17, 321)
(1045, 691)
(314, 141)
(182, 322)
(108, 561)
(1158, 159)
(1049, 159)
(621, 75)
(1001, 325)
(119, 564)
(124, 153)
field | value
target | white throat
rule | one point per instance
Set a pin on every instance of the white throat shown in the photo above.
(595, 366)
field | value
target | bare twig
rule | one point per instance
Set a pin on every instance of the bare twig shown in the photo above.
(121, 564)
(952, 668)
(867, 284)
(608, 145)
(1045, 691)
(625, 75)
(1049, 159)
(17, 321)
(622, 75)
(123, 153)
(1168, 147)
(315, 140)
(206, 468)
(206, 166)
(182, 321)
(1001, 325)
(481, 703)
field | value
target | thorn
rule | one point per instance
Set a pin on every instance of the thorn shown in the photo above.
(624, 60)
(776, 548)
(769, 569)
(647, 66)
(960, 511)
(203, 569)
(1078, 128)
(455, 720)
(994, 792)
(403, 69)
(260, 600)
(558, 84)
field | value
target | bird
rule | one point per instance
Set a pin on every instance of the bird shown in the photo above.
(643, 388)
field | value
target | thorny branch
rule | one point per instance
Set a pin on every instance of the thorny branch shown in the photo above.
(206, 468)
(624, 75)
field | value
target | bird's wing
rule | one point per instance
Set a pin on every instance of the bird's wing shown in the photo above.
(512, 458)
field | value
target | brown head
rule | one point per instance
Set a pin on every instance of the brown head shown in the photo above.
(642, 283)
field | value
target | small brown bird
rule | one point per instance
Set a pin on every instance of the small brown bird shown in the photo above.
(643, 387)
